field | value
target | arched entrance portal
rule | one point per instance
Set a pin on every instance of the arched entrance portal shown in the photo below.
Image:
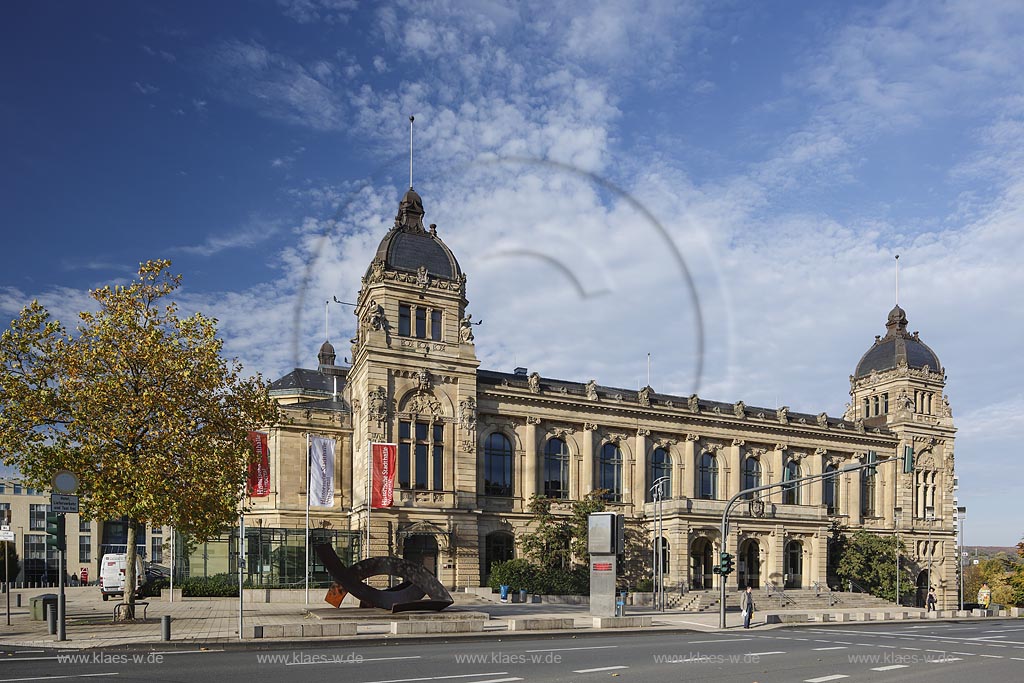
(701, 563)
(793, 565)
(749, 564)
(421, 549)
(922, 589)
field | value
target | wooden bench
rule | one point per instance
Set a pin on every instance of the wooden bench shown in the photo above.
(121, 605)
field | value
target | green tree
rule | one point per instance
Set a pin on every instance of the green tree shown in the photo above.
(870, 560)
(139, 403)
(558, 541)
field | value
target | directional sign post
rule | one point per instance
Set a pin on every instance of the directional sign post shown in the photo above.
(63, 503)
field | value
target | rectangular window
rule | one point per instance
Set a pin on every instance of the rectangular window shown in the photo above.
(403, 465)
(3, 487)
(421, 466)
(404, 318)
(420, 456)
(17, 489)
(84, 549)
(35, 546)
(157, 555)
(156, 530)
(37, 517)
(5, 512)
(421, 322)
(84, 525)
(437, 482)
(435, 325)
(885, 403)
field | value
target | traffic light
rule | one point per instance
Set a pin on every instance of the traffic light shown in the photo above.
(727, 564)
(55, 537)
(908, 459)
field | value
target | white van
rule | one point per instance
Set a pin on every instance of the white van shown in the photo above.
(112, 574)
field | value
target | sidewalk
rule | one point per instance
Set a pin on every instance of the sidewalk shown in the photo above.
(197, 622)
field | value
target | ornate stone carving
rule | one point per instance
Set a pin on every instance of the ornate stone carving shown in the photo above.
(466, 328)
(859, 425)
(739, 409)
(692, 437)
(425, 404)
(534, 382)
(592, 390)
(822, 419)
(904, 401)
(423, 380)
(375, 316)
(739, 442)
(562, 431)
(781, 447)
(377, 405)
(531, 420)
(693, 403)
(643, 432)
(421, 276)
(782, 414)
(944, 409)
(820, 451)
(589, 426)
(616, 437)
(644, 396)
(376, 270)
(713, 446)
(467, 414)
(467, 445)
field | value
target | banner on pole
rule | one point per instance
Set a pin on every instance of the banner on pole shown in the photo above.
(259, 471)
(321, 472)
(385, 462)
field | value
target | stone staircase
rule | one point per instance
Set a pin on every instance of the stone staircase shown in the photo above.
(794, 599)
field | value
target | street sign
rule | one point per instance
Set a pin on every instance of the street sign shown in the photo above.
(7, 536)
(65, 481)
(63, 503)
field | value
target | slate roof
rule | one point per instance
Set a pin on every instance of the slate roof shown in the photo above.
(896, 348)
(304, 379)
(408, 245)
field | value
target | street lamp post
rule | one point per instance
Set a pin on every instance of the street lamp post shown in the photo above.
(897, 514)
(658, 584)
(961, 512)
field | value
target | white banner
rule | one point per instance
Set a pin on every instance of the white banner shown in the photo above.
(321, 472)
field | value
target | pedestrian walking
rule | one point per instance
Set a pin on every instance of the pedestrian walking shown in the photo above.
(930, 602)
(747, 606)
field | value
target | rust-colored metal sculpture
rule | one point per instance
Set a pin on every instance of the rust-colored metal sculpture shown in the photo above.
(405, 597)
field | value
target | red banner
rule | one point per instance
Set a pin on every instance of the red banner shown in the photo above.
(259, 471)
(385, 463)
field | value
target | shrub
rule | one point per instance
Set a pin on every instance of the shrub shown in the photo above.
(216, 586)
(520, 574)
(517, 573)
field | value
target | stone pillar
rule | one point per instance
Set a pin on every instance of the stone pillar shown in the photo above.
(530, 465)
(812, 491)
(638, 490)
(733, 456)
(777, 456)
(587, 470)
(688, 480)
(852, 499)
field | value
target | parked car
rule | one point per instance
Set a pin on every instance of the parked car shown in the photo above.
(112, 575)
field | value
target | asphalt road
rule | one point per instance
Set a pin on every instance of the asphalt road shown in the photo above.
(974, 651)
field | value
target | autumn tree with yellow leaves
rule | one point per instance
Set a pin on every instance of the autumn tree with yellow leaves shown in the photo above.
(136, 401)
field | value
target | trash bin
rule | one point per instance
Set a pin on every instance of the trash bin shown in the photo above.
(522, 595)
(504, 592)
(39, 604)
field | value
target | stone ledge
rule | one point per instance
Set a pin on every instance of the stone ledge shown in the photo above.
(450, 626)
(622, 622)
(541, 624)
(300, 630)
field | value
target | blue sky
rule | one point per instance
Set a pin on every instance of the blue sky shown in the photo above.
(567, 152)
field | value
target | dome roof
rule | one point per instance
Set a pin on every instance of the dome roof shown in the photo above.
(897, 348)
(408, 246)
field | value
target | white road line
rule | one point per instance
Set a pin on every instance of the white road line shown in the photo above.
(762, 654)
(822, 679)
(54, 678)
(887, 647)
(329, 660)
(992, 656)
(968, 654)
(189, 652)
(444, 678)
(28, 652)
(719, 640)
(837, 647)
(891, 667)
(570, 649)
(1017, 659)
(34, 659)
(946, 659)
(602, 668)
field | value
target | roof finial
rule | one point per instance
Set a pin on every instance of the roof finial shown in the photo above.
(411, 119)
(897, 279)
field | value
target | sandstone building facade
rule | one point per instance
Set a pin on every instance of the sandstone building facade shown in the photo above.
(476, 445)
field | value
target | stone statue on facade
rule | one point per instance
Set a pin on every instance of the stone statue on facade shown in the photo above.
(466, 328)
(739, 409)
(693, 403)
(644, 397)
(377, 404)
(782, 414)
(904, 401)
(534, 382)
(592, 390)
(423, 380)
(375, 316)
(823, 419)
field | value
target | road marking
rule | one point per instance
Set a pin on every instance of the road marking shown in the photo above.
(761, 654)
(30, 659)
(443, 678)
(969, 654)
(887, 647)
(54, 678)
(602, 668)
(992, 656)
(570, 649)
(891, 667)
(1017, 659)
(28, 652)
(822, 679)
(719, 640)
(946, 659)
(843, 642)
(189, 652)
(837, 647)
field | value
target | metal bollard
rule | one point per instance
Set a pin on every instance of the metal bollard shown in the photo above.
(165, 627)
(17, 599)
(51, 619)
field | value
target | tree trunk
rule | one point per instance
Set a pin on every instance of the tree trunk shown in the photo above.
(128, 611)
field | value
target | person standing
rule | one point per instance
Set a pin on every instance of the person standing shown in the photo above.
(931, 600)
(747, 606)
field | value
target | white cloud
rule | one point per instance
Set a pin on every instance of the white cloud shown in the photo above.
(312, 11)
(145, 88)
(254, 233)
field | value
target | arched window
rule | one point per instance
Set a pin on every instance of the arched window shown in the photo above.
(660, 466)
(556, 469)
(751, 475)
(498, 547)
(830, 490)
(498, 465)
(791, 492)
(609, 472)
(708, 476)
